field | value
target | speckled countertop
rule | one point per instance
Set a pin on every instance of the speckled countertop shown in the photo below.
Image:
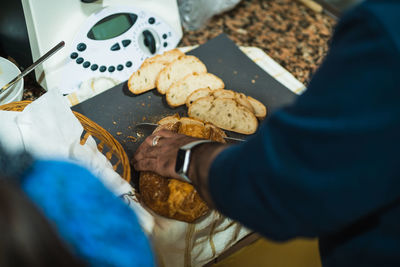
(292, 34)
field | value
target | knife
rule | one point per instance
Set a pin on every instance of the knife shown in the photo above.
(148, 129)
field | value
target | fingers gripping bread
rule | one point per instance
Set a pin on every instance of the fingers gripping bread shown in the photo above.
(225, 113)
(179, 91)
(144, 79)
(177, 70)
(170, 197)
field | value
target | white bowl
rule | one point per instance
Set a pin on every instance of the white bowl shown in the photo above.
(8, 71)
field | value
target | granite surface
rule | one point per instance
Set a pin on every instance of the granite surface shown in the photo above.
(292, 34)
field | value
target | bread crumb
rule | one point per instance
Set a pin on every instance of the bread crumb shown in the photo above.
(132, 138)
(114, 123)
(143, 104)
(235, 72)
(119, 133)
(253, 81)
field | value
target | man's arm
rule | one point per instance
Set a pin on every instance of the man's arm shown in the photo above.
(332, 157)
(320, 164)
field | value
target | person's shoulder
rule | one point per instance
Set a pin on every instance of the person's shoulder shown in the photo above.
(382, 12)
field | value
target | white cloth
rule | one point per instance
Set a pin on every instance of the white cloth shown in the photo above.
(48, 129)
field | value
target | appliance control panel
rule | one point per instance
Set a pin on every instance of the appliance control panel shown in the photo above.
(114, 42)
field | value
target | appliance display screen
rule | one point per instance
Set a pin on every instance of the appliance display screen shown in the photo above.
(112, 26)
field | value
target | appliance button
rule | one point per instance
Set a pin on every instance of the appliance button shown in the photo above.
(120, 67)
(149, 41)
(111, 69)
(164, 36)
(128, 64)
(81, 47)
(74, 55)
(152, 20)
(86, 64)
(125, 43)
(103, 68)
(115, 47)
(79, 60)
(165, 44)
(94, 67)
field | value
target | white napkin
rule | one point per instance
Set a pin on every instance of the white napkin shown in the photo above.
(48, 129)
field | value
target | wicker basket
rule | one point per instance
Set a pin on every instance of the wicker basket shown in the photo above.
(106, 143)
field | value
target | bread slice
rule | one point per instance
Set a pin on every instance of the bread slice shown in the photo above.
(144, 79)
(177, 70)
(223, 93)
(202, 92)
(239, 97)
(179, 91)
(242, 100)
(259, 108)
(225, 113)
(170, 119)
(167, 56)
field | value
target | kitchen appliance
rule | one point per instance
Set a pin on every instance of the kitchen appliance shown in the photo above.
(104, 38)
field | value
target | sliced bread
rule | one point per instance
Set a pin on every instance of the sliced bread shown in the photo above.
(224, 93)
(259, 108)
(242, 100)
(170, 119)
(252, 104)
(202, 92)
(144, 79)
(179, 91)
(177, 70)
(168, 56)
(225, 113)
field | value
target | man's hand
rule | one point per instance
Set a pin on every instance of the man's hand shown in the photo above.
(161, 157)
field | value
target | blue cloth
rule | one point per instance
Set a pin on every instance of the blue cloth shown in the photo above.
(93, 222)
(328, 166)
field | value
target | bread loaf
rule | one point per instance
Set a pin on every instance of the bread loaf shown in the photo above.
(144, 79)
(177, 70)
(179, 91)
(173, 198)
(225, 113)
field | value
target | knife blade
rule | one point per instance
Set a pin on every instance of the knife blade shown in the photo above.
(148, 128)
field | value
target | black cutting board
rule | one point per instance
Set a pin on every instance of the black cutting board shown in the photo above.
(117, 110)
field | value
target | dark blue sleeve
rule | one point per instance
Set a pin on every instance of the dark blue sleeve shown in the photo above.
(332, 157)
